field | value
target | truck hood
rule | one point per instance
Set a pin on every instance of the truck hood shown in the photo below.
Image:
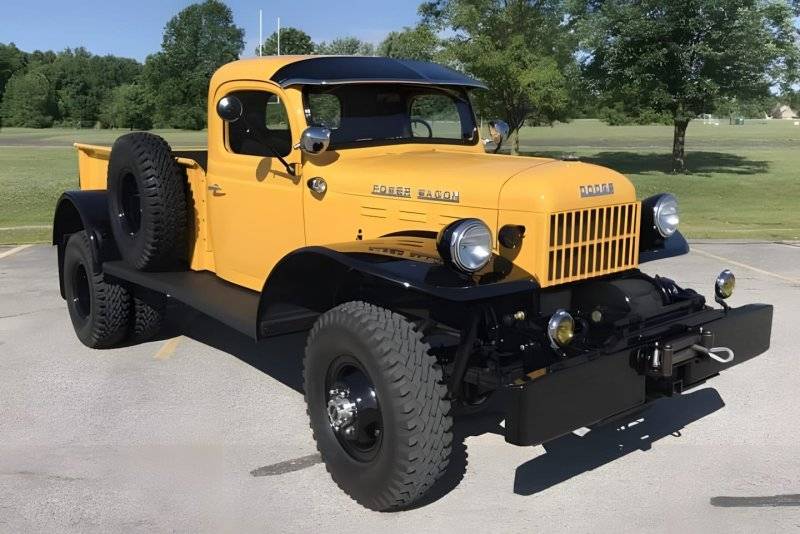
(484, 181)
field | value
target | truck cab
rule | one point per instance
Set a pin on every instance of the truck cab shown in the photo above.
(355, 197)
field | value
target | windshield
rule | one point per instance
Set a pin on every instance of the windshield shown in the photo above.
(383, 114)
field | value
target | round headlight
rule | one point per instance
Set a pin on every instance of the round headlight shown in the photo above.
(725, 284)
(561, 328)
(466, 244)
(666, 216)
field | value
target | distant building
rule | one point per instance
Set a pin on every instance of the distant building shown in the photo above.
(783, 112)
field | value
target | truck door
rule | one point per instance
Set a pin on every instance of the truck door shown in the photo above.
(254, 205)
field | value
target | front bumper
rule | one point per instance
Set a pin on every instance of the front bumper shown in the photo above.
(584, 391)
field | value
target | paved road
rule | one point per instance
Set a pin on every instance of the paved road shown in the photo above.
(204, 431)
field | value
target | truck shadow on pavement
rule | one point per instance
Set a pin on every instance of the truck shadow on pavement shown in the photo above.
(570, 455)
(279, 357)
(565, 457)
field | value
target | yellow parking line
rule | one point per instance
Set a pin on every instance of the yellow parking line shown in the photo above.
(13, 251)
(168, 348)
(745, 266)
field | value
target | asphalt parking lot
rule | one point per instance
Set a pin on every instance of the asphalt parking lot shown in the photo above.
(203, 430)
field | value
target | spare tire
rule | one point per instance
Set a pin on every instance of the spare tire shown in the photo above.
(147, 202)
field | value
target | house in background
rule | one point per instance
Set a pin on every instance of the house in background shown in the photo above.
(783, 112)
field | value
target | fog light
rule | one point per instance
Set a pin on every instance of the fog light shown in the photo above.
(561, 329)
(725, 284)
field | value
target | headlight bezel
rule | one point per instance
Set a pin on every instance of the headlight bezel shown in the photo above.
(652, 235)
(665, 207)
(450, 239)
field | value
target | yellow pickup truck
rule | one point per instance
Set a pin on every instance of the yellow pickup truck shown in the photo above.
(354, 197)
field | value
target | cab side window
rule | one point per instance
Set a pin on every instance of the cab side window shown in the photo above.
(265, 113)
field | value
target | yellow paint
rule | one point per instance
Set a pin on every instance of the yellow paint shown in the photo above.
(92, 165)
(261, 213)
(13, 251)
(168, 348)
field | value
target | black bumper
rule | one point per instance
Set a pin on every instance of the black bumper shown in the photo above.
(575, 395)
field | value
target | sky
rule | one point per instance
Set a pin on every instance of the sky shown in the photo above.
(133, 28)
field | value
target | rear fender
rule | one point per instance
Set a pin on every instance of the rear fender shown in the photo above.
(78, 211)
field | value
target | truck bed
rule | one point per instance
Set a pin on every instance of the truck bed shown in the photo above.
(93, 172)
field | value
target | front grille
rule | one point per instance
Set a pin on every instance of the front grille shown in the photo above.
(592, 242)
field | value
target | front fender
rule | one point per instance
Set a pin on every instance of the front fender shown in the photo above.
(400, 273)
(675, 245)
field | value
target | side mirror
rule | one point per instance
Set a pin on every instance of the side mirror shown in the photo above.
(498, 134)
(230, 109)
(315, 140)
(498, 130)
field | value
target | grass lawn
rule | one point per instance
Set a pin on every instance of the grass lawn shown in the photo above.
(745, 180)
(37, 165)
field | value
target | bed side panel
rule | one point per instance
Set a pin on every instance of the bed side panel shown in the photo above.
(92, 166)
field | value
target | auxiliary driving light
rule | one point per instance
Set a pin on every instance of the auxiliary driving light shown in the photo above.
(561, 329)
(725, 284)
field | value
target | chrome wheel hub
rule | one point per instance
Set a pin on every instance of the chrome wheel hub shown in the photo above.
(341, 410)
(351, 404)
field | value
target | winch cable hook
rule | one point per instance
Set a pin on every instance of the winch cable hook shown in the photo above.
(710, 353)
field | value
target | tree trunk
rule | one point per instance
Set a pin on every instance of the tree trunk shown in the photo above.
(678, 146)
(515, 144)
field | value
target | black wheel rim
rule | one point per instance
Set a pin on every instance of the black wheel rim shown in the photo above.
(352, 408)
(81, 297)
(130, 205)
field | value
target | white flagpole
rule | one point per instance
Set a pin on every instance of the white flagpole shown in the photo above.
(279, 36)
(260, 32)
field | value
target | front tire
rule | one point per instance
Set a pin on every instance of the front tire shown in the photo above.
(99, 310)
(378, 409)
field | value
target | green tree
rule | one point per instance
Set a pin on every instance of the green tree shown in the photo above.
(520, 48)
(75, 86)
(27, 101)
(420, 43)
(682, 57)
(197, 41)
(293, 41)
(129, 106)
(12, 59)
(345, 46)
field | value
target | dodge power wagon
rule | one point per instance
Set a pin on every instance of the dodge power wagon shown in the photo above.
(353, 197)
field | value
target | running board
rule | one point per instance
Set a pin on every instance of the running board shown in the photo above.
(232, 305)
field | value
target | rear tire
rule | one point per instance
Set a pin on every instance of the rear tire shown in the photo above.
(99, 310)
(149, 314)
(390, 460)
(147, 202)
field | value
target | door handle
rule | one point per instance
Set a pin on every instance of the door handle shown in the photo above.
(317, 185)
(215, 188)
